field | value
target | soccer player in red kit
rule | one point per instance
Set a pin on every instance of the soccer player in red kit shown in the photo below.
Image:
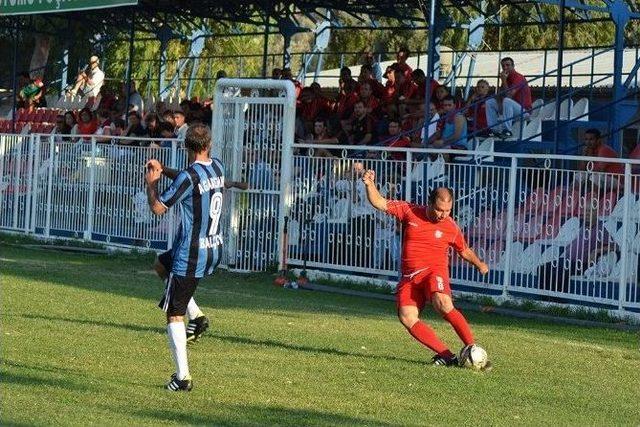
(429, 231)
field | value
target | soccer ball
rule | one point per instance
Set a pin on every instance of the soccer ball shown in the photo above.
(473, 357)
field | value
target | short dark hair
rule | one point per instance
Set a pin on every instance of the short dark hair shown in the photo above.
(433, 194)
(595, 132)
(346, 70)
(198, 138)
(507, 58)
(417, 73)
(119, 123)
(449, 98)
(165, 126)
(404, 49)
(366, 67)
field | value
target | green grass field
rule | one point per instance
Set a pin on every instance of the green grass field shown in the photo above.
(82, 342)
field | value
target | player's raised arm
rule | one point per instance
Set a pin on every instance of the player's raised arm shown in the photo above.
(152, 176)
(470, 256)
(374, 196)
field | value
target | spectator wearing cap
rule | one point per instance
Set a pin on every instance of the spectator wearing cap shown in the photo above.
(181, 125)
(89, 80)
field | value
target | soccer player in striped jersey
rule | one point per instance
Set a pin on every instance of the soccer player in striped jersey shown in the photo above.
(198, 243)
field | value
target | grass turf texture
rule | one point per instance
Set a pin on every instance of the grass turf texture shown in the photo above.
(82, 342)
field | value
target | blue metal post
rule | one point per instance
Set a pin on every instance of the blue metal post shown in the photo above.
(132, 34)
(620, 17)
(556, 133)
(431, 58)
(14, 69)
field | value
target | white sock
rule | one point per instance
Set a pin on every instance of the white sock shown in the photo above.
(178, 346)
(193, 310)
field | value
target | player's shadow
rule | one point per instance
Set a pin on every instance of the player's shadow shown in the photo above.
(249, 415)
(308, 349)
(101, 323)
(30, 380)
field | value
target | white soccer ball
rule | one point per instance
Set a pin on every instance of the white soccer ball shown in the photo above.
(473, 356)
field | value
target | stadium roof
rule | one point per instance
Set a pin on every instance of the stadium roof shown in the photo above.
(151, 14)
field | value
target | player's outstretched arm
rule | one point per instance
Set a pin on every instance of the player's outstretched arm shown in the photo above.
(470, 256)
(236, 184)
(374, 196)
(151, 177)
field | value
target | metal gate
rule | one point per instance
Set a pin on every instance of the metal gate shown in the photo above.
(253, 120)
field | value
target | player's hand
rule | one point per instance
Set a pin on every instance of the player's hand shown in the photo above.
(483, 268)
(369, 177)
(153, 172)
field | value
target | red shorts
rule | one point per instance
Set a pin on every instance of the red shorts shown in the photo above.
(416, 290)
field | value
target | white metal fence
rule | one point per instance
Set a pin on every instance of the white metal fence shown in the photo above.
(544, 228)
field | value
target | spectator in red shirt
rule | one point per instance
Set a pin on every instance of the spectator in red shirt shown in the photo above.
(599, 173)
(287, 75)
(87, 125)
(394, 139)
(366, 76)
(345, 76)
(513, 100)
(476, 111)
(401, 58)
(320, 136)
(371, 104)
(311, 106)
(346, 100)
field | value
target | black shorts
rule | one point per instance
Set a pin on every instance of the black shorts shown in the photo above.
(178, 290)
(177, 294)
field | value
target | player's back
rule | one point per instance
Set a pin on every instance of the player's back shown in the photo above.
(198, 242)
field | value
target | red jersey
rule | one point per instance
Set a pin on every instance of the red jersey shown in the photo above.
(522, 94)
(398, 142)
(406, 70)
(317, 107)
(425, 243)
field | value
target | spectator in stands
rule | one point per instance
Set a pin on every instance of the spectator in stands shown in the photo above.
(31, 91)
(453, 129)
(288, 75)
(134, 129)
(366, 76)
(312, 106)
(167, 133)
(276, 73)
(152, 124)
(361, 127)
(370, 62)
(61, 128)
(135, 100)
(441, 93)
(347, 98)
(104, 125)
(90, 80)
(87, 125)
(181, 125)
(418, 90)
(345, 76)
(167, 116)
(513, 100)
(401, 61)
(476, 112)
(595, 147)
(371, 103)
(118, 127)
(321, 136)
(393, 138)
(71, 122)
(107, 99)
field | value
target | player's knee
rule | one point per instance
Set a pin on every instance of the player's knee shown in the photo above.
(407, 319)
(441, 303)
(174, 319)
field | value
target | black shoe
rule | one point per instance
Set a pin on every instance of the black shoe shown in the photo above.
(438, 360)
(197, 327)
(179, 385)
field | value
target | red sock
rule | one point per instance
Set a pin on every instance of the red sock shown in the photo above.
(461, 326)
(427, 336)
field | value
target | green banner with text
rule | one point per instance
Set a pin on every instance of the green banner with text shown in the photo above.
(26, 7)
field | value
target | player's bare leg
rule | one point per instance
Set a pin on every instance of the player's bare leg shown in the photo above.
(409, 317)
(198, 322)
(181, 380)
